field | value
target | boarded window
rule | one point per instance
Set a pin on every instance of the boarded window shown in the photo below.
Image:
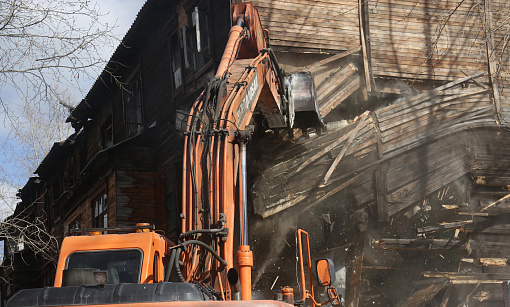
(100, 210)
(133, 106)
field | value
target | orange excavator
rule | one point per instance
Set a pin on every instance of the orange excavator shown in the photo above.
(108, 267)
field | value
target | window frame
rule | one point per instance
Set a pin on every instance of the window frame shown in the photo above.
(103, 197)
(134, 92)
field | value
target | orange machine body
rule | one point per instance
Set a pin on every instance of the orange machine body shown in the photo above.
(153, 247)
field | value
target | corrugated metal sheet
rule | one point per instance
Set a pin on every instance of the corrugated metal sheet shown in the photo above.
(307, 25)
(427, 39)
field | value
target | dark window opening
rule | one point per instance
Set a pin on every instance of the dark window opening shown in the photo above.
(196, 39)
(100, 209)
(107, 133)
(133, 107)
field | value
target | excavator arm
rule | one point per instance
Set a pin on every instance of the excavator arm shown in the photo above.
(214, 163)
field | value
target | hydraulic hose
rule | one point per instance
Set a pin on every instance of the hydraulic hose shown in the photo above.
(170, 265)
(177, 266)
(195, 231)
(207, 247)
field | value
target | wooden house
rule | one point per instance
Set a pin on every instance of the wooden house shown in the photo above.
(407, 198)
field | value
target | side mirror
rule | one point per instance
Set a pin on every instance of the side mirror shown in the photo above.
(325, 272)
(325, 269)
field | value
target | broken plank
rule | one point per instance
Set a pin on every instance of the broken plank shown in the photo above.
(342, 186)
(340, 97)
(381, 190)
(315, 65)
(496, 202)
(409, 101)
(487, 261)
(336, 80)
(346, 146)
(423, 295)
(445, 226)
(324, 151)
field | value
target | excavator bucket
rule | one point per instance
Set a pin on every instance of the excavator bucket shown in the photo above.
(303, 107)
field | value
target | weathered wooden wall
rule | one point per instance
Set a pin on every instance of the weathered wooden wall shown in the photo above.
(313, 26)
(140, 198)
(427, 39)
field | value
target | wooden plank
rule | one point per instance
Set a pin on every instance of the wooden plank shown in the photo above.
(496, 202)
(488, 261)
(442, 227)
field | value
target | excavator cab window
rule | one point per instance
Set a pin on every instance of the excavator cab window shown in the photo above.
(122, 266)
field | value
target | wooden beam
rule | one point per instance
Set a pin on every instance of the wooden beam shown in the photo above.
(419, 244)
(316, 65)
(446, 296)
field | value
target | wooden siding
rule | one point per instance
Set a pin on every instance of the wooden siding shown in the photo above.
(305, 25)
(425, 39)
